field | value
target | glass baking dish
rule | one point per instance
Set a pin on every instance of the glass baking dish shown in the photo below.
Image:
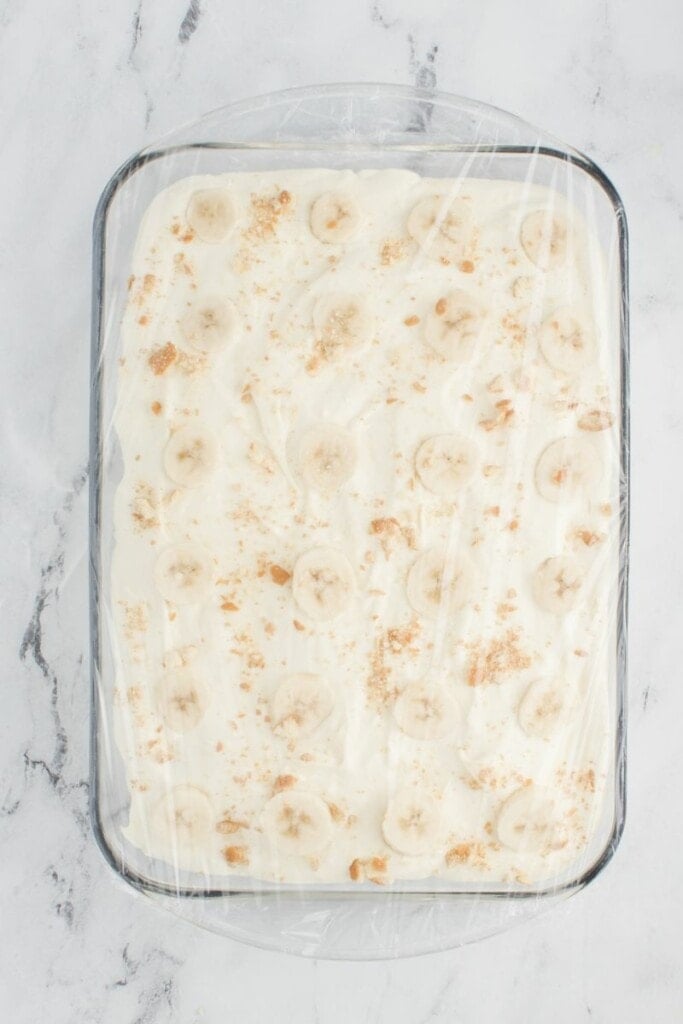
(346, 127)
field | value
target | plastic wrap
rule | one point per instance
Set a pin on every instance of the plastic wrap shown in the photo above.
(359, 521)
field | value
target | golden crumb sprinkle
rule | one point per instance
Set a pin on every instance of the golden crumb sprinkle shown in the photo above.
(336, 812)
(596, 420)
(493, 662)
(392, 252)
(266, 211)
(284, 782)
(279, 575)
(467, 853)
(236, 855)
(162, 358)
(228, 826)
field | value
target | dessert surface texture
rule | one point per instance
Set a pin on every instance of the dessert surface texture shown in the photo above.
(365, 563)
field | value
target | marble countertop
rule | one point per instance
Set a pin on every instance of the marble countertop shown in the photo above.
(84, 86)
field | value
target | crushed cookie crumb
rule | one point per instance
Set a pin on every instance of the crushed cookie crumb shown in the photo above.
(279, 575)
(589, 538)
(266, 211)
(502, 417)
(595, 420)
(392, 252)
(390, 532)
(472, 853)
(501, 657)
(284, 782)
(236, 855)
(336, 812)
(228, 826)
(145, 505)
(161, 358)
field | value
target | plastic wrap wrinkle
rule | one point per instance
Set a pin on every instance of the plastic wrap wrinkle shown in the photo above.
(360, 547)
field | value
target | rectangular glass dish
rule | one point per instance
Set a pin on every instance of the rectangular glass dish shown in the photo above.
(509, 433)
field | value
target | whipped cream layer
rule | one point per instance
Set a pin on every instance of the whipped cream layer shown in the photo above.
(364, 582)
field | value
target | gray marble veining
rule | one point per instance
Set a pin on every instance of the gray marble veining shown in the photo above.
(85, 85)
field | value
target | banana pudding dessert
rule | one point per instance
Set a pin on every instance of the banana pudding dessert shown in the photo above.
(365, 569)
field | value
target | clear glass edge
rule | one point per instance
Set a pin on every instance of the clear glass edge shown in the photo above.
(123, 173)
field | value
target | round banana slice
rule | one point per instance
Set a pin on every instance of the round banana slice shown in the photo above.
(322, 583)
(183, 816)
(210, 324)
(557, 585)
(183, 573)
(342, 323)
(412, 823)
(568, 468)
(438, 218)
(565, 342)
(190, 456)
(425, 587)
(301, 703)
(211, 214)
(327, 458)
(445, 463)
(298, 822)
(334, 217)
(182, 701)
(542, 708)
(425, 711)
(544, 238)
(529, 821)
(454, 325)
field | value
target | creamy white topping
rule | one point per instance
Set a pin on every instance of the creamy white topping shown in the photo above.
(332, 385)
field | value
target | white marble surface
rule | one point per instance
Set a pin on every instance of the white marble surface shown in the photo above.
(84, 84)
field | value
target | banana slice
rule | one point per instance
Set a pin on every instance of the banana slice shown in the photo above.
(529, 820)
(445, 463)
(542, 708)
(301, 703)
(298, 823)
(433, 581)
(557, 585)
(190, 456)
(412, 823)
(322, 583)
(566, 342)
(544, 238)
(210, 324)
(568, 468)
(334, 217)
(327, 458)
(183, 816)
(439, 222)
(183, 573)
(182, 701)
(342, 323)
(211, 214)
(454, 325)
(425, 711)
